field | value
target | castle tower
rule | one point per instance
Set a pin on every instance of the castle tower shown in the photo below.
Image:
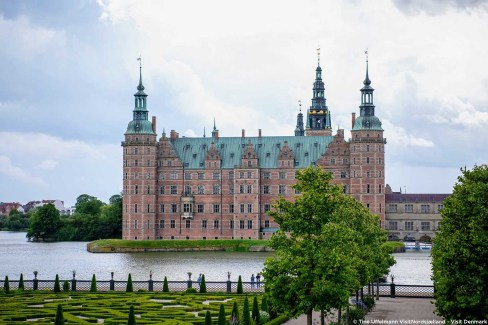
(318, 116)
(367, 148)
(139, 171)
(299, 131)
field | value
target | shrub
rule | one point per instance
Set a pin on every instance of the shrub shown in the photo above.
(356, 315)
(59, 316)
(264, 304)
(57, 287)
(208, 318)
(66, 286)
(239, 285)
(6, 285)
(246, 317)
(369, 302)
(221, 320)
(21, 282)
(132, 316)
(278, 320)
(129, 285)
(93, 287)
(191, 290)
(203, 285)
(263, 317)
(255, 311)
(165, 285)
(234, 315)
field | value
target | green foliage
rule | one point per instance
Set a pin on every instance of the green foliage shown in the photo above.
(246, 316)
(59, 316)
(14, 221)
(356, 315)
(129, 284)
(264, 304)
(263, 317)
(208, 318)
(221, 320)
(239, 285)
(369, 302)
(328, 246)
(57, 287)
(234, 315)
(93, 286)
(6, 285)
(21, 282)
(132, 316)
(255, 311)
(278, 320)
(191, 290)
(66, 286)
(44, 223)
(165, 285)
(86, 204)
(460, 251)
(203, 285)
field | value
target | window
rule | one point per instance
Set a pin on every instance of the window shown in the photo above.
(136, 189)
(135, 224)
(216, 208)
(425, 225)
(241, 174)
(216, 224)
(282, 189)
(367, 160)
(200, 208)
(136, 163)
(161, 224)
(187, 207)
(174, 175)
(368, 188)
(241, 224)
(249, 163)
(201, 176)
(216, 189)
(392, 225)
(187, 189)
(231, 189)
(282, 175)
(187, 223)
(172, 223)
(408, 208)
(249, 208)
(249, 174)
(266, 223)
(148, 208)
(346, 189)
(242, 208)
(231, 224)
(161, 208)
(409, 225)
(332, 161)
(201, 189)
(161, 175)
(231, 208)
(392, 208)
(249, 189)
(424, 208)
(216, 175)
(249, 224)
(161, 190)
(343, 174)
(379, 188)
(187, 175)
(231, 175)
(174, 189)
(267, 207)
(440, 207)
(135, 208)
(367, 148)
(174, 208)
(266, 189)
(241, 189)
(204, 224)
(266, 175)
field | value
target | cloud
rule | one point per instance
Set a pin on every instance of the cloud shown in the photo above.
(18, 174)
(437, 7)
(399, 137)
(49, 164)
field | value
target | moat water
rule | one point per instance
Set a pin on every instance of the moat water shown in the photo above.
(17, 255)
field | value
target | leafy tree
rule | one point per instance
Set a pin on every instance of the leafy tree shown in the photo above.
(93, 286)
(57, 287)
(44, 223)
(255, 310)
(165, 285)
(87, 204)
(239, 285)
(221, 320)
(319, 252)
(21, 282)
(129, 288)
(59, 316)
(460, 251)
(132, 317)
(234, 315)
(246, 316)
(203, 285)
(208, 318)
(6, 285)
(66, 286)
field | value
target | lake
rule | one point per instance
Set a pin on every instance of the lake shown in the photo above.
(17, 255)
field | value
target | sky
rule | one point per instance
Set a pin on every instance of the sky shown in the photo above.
(70, 70)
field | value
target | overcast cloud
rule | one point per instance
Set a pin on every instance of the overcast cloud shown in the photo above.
(70, 72)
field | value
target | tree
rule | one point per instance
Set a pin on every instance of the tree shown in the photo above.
(59, 316)
(239, 285)
(246, 316)
(165, 285)
(93, 286)
(129, 284)
(21, 282)
(460, 251)
(221, 320)
(87, 204)
(132, 316)
(6, 285)
(234, 315)
(44, 223)
(319, 251)
(208, 318)
(255, 310)
(203, 285)
(57, 287)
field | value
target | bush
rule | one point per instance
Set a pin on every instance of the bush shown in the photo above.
(129, 288)
(234, 315)
(203, 285)
(356, 315)
(208, 318)
(191, 290)
(369, 302)
(93, 287)
(246, 317)
(21, 282)
(239, 285)
(132, 317)
(57, 287)
(6, 285)
(165, 285)
(59, 316)
(278, 320)
(263, 317)
(221, 320)
(264, 304)
(255, 311)
(66, 286)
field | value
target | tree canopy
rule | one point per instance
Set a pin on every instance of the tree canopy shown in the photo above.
(328, 246)
(460, 251)
(44, 223)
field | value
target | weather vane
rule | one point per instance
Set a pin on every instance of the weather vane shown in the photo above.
(318, 54)
(140, 61)
(366, 52)
(300, 104)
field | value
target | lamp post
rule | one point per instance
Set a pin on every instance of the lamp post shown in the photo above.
(189, 283)
(150, 282)
(229, 284)
(36, 282)
(112, 282)
(392, 286)
(73, 281)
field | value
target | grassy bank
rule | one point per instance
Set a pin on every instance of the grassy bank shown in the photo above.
(395, 246)
(230, 245)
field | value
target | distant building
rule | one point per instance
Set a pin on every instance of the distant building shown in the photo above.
(413, 217)
(6, 208)
(221, 187)
(58, 204)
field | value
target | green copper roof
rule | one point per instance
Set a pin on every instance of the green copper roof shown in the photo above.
(140, 127)
(306, 149)
(367, 123)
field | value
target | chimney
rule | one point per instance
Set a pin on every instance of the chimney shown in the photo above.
(216, 135)
(243, 133)
(353, 119)
(172, 135)
(154, 124)
(259, 133)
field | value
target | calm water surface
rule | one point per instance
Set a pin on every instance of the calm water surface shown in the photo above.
(17, 255)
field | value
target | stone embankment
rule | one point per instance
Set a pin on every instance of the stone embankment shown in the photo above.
(110, 249)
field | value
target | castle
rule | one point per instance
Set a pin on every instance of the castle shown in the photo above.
(221, 187)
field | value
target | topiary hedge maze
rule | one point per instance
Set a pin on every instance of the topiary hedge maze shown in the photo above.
(113, 307)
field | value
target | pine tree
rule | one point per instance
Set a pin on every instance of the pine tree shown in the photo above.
(6, 285)
(264, 304)
(165, 285)
(59, 316)
(234, 315)
(255, 310)
(21, 282)
(208, 318)
(221, 320)
(57, 287)
(246, 317)
(203, 285)
(239, 285)
(132, 316)
(129, 284)
(93, 287)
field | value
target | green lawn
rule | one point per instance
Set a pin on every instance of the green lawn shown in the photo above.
(113, 307)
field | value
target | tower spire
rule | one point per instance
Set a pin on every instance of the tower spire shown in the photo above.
(299, 128)
(366, 81)
(140, 87)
